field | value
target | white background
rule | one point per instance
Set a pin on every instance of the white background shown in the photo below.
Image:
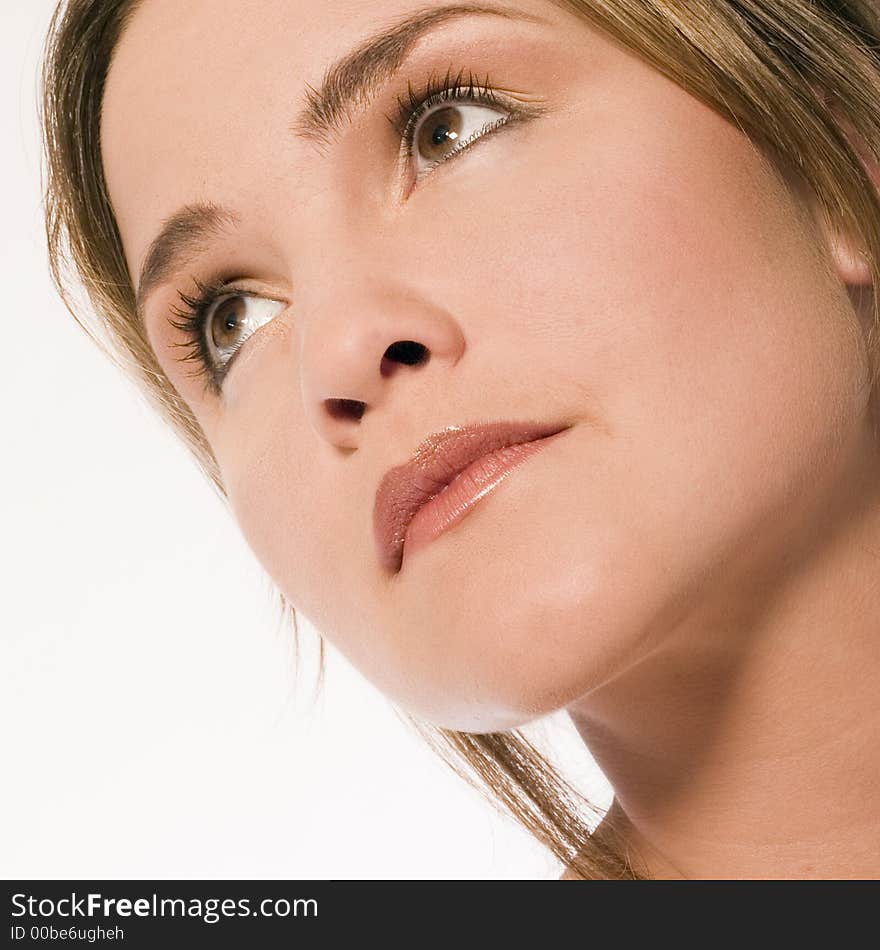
(152, 722)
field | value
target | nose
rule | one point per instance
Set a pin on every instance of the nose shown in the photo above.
(373, 346)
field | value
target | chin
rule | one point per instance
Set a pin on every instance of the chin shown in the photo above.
(488, 663)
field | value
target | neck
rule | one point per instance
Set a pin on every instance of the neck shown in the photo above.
(746, 744)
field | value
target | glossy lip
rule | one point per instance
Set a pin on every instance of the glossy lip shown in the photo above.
(435, 463)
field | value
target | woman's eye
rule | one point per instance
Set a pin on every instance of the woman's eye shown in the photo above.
(442, 118)
(231, 320)
(216, 324)
(448, 128)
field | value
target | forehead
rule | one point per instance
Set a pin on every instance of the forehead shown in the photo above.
(200, 97)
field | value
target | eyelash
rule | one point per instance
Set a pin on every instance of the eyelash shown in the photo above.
(193, 313)
(192, 322)
(417, 103)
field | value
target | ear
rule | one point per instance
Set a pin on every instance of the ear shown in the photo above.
(851, 261)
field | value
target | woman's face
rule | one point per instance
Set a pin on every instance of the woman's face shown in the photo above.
(616, 258)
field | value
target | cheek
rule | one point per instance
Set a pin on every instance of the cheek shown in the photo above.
(660, 270)
(276, 499)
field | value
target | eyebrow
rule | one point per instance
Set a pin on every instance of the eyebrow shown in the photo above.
(181, 238)
(354, 79)
(349, 84)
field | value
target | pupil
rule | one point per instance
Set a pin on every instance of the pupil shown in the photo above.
(440, 133)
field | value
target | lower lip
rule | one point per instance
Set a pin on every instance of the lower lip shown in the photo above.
(470, 485)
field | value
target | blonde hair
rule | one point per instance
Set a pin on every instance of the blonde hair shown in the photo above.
(796, 76)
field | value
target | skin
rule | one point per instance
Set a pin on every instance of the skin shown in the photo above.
(691, 570)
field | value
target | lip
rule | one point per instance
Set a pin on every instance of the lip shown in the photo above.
(437, 461)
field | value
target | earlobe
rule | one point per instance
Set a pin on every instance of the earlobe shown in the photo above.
(850, 261)
(853, 262)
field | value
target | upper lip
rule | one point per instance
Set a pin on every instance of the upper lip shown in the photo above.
(434, 464)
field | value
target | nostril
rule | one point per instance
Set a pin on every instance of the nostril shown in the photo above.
(345, 408)
(406, 351)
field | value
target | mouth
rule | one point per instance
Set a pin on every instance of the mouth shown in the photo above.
(447, 475)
